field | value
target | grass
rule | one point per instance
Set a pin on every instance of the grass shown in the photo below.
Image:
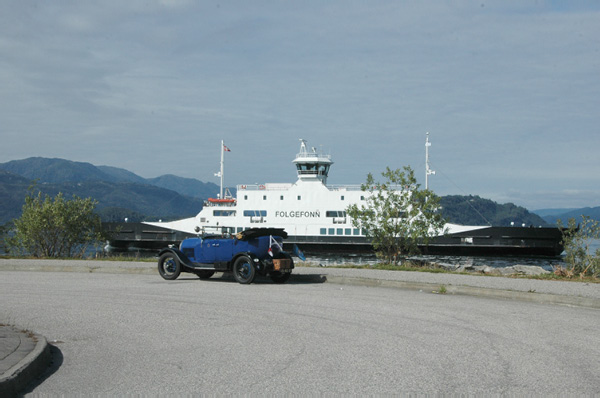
(554, 277)
(437, 269)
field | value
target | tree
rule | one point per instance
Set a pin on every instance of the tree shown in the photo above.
(397, 214)
(55, 227)
(578, 253)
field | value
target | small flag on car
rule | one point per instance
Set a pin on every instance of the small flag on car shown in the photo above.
(273, 242)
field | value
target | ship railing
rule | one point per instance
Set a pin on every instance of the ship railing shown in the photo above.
(344, 187)
(312, 172)
(312, 155)
(284, 187)
(221, 204)
(264, 187)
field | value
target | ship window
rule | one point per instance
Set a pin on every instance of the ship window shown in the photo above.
(264, 197)
(255, 213)
(342, 197)
(299, 197)
(348, 231)
(223, 213)
(335, 213)
(240, 229)
(307, 168)
(340, 231)
(362, 197)
(245, 197)
(331, 231)
(356, 231)
(323, 231)
(281, 197)
(203, 219)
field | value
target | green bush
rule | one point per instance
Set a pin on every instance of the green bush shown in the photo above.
(397, 215)
(577, 240)
(55, 227)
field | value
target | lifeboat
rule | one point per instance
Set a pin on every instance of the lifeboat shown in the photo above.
(221, 201)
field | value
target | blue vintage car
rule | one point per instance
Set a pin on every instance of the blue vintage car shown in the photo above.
(251, 252)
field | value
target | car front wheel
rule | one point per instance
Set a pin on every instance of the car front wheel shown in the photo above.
(244, 270)
(168, 266)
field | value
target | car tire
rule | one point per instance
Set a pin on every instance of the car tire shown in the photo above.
(280, 277)
(243, 270)
(205, 274)
(169, 266)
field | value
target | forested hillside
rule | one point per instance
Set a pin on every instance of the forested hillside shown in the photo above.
(54, 171)
(115, 200)
(120, 193)
(473, 210)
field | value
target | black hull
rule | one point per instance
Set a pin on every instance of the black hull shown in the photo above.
(489, 241)
(139, 236)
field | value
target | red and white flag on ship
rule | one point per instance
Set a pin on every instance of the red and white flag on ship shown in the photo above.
(226, 149)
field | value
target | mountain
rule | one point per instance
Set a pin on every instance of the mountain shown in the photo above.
(551, 216)
(56, 170)
(13, 189)
(47, 170)
(122, 175)
(186, 186)
(120, 193)
(115, 200)
(473, 210)
(549, 212)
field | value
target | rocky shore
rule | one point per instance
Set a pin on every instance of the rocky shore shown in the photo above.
(513, 270)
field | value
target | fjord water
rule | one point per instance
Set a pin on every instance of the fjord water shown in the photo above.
(548, 263)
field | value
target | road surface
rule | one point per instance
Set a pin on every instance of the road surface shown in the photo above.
(138, 334)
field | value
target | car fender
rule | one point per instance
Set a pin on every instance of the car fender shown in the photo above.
(183, 259)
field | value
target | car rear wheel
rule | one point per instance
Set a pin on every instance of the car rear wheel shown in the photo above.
(168, 266)
(244, 270)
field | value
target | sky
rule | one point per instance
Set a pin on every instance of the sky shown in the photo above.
(508, 90)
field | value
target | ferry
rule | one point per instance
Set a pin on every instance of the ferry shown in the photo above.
(314, 216)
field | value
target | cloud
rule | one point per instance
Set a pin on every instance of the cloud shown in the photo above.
(508, 90)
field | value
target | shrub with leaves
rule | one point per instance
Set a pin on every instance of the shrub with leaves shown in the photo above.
(578, 253)
(397, 214)
(55, 227)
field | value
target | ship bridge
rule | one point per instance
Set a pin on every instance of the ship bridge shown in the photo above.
(312, 166)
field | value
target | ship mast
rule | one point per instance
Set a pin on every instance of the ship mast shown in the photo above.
(428, 171)
(220, 173)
